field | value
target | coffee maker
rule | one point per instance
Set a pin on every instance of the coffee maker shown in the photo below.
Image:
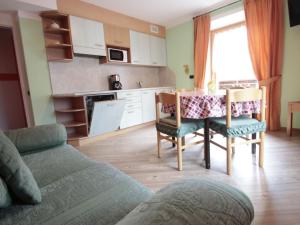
(114, 82)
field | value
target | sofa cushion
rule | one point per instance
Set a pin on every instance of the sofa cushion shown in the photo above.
(194, 201)
(33, 139)
(5, 199)
(54, 164)
(16, 174)
(239, 126)
(187, 126)
(96, 193)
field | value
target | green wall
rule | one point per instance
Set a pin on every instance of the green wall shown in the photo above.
(180, 51)
(291, 71)
(37, 71)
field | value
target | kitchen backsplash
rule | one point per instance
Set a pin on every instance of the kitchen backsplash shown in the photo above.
(86, 74)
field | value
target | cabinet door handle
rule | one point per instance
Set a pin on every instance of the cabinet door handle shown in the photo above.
(136, 61)
(154, 63)
(100, 45)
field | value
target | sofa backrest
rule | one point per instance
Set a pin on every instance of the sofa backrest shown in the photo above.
(34, 139)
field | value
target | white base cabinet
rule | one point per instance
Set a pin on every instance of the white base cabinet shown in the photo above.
(139, 107)
(148, 106)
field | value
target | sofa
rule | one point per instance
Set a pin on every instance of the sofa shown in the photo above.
(76, 190)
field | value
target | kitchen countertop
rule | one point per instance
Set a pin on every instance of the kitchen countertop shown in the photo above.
(104, 92)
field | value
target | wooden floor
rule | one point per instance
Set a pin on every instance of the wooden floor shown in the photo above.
(274, 190)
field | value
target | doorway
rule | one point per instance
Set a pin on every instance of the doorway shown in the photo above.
(12, 112)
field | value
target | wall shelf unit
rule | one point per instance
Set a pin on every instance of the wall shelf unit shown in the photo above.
(57, 34)
(71, 112)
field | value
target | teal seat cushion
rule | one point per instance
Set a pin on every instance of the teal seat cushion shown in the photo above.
(239, 126)
(194, 201)
(37, 138)
(5, 199)
(16, 174)
(187, 126)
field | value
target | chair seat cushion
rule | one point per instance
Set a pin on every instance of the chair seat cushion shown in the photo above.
(187, 126)
(239, 126)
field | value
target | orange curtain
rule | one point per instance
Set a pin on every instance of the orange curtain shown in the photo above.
(201, 41)
(265, 27)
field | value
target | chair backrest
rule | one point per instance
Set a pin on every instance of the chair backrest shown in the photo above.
(168, 99)
(244, 95)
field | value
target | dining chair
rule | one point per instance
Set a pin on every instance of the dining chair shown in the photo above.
(174, 128)
(240, 127)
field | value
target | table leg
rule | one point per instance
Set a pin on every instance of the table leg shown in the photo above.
(253, 146)
(290, 121)
(173, 144)
(206, 144)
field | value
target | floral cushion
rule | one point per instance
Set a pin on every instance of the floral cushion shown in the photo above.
(187, 126)
(239, 126)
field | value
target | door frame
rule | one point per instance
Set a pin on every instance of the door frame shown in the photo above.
(15, 77)
(10, 21)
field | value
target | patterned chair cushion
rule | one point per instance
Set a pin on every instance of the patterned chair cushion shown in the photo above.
(239, 126)
(187, 126)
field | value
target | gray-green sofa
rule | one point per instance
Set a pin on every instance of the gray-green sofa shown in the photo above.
(79, 191)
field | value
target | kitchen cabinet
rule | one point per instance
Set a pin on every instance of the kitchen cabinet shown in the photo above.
(116, 36)
(140, 48)
(87, 36)
(158, 53)
(140, 106)
(148, 106)
(133, 109)
(147, 49)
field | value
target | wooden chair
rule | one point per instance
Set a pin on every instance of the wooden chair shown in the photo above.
(174, 128)
(240, 127)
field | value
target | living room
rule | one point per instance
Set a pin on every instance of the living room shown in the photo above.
(117, 112)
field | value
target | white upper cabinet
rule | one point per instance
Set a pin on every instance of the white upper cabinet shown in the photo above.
(158, 51)
(140, 48)
(147, 49)
(87, 36)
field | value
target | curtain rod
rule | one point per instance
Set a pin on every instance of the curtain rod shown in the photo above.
(214, 10)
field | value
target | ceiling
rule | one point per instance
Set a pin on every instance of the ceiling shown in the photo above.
(163, 12)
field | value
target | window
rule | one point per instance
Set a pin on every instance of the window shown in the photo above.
(229, 56)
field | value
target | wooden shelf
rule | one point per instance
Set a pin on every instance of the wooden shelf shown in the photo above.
(59, 46)
(60, 59)
(75, 136)
(62, 51)
(74, 124)
(56, 30)
(53, 15)
(69, 110)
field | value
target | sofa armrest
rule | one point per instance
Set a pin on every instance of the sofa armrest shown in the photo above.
(193, 202)
(37, 138)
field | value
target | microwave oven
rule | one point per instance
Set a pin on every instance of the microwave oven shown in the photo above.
(117, 55)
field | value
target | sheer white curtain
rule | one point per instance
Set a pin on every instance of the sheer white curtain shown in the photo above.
(230, 58)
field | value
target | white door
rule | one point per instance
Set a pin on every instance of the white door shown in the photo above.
(158, 51)
(87, 36)
(148, 106)
(140, 48)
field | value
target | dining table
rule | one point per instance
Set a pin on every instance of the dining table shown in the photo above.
(201, 104)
